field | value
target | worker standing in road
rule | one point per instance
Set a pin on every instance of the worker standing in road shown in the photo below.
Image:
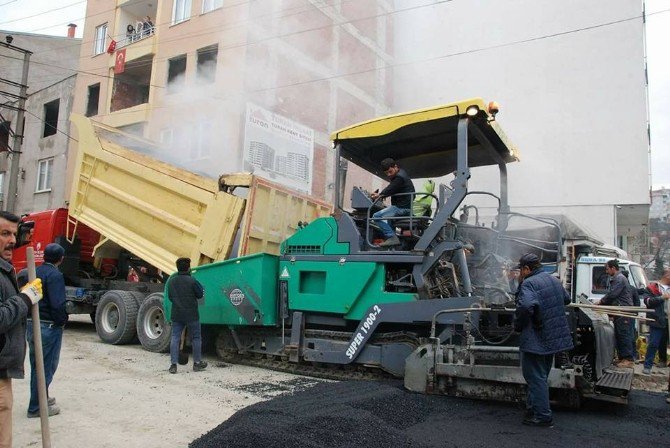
(184, 292)
(14, 307)
(635, 299)
(656, 297)
(540, 318)
(619, 295)
(53, 318)
(401, 205)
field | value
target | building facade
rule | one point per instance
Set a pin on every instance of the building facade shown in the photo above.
(43, 158)
(242, 86)
(570, 77)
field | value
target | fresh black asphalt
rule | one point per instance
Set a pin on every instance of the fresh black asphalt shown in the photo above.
(360, 414)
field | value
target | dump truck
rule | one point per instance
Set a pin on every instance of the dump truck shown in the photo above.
(129, 210)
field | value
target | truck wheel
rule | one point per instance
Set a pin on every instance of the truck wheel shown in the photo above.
(115, 317)
(139, 297)
(152, 329)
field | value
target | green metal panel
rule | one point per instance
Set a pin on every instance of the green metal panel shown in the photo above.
(346, 289)
(318, 238)
(240, 291)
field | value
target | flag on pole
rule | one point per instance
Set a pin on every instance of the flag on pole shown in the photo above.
(112, 47)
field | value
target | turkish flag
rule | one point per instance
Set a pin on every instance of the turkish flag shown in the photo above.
(120, 62)
(112, 47)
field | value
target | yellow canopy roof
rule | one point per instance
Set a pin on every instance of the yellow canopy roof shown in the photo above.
(424, 142)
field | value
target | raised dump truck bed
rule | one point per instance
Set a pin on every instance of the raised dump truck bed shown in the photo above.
(149, 213)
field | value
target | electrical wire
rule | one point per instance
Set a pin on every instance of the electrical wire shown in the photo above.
(384, 67)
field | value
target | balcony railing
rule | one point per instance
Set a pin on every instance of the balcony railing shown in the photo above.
(136, 35)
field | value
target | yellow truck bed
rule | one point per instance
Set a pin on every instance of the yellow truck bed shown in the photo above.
(160, 212)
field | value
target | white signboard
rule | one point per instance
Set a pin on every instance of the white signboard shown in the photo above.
(278, 149)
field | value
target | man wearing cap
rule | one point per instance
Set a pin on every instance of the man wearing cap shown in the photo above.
(620, 295)
(399, 190)
(540, 318)
(184, 292)
(53, 318)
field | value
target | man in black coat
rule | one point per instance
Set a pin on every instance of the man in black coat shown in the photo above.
(399, 190)
(184, 292)
(619, 295)
(14, 307)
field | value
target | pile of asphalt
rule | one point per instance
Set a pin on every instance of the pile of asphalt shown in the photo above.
(382, 415)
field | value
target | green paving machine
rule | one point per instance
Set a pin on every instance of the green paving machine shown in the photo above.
(437, 309)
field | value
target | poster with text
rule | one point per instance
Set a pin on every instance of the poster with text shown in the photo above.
(278, 149)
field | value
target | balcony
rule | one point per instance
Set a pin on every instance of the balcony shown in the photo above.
(136, 28)
(131, 88)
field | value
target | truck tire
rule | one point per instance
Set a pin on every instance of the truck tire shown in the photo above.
(153, 330)
(139, 297)
(115, 317)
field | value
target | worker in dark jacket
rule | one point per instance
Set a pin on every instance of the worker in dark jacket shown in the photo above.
(184, 292)
(540, 317)
(53, 318)
(635, 299)
(619, 295)
(14, 307)
(656, 297)
(399, 189)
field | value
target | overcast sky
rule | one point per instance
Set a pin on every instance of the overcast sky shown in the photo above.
(52, 17)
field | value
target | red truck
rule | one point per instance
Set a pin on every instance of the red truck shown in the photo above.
(91, 285)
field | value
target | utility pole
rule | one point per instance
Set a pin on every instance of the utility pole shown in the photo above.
(10, 203)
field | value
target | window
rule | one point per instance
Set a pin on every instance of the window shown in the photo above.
(2, 186)
(100, 37)
(5, 127)
(206, 70)
(166, 136)
(44, 171)
(51, 118)
(93, 100)
(181, 10)
(176, 73)
(201, 140)
(210, 5)
(600, 281)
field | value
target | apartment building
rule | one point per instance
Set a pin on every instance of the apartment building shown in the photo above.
(238, 85)
(45, 149)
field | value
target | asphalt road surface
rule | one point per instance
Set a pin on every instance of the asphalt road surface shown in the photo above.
(371, 415)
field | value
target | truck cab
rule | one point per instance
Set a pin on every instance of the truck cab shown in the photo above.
(592, 281)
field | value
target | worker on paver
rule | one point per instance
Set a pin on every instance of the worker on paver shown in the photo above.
(540, 318)
(401, 201)
(184, 292)
(619, 295)
(14, 307)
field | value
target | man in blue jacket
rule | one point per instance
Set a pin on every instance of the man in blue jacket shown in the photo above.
(656, 297)
(53, 318)
(540, 317)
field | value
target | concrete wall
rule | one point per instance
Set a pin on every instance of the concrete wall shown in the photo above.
(574, 103)
(36, 148)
